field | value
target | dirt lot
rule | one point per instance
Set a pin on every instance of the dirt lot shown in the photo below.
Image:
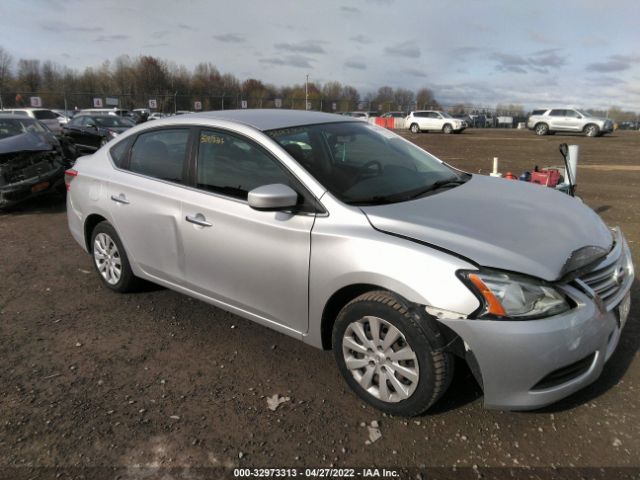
(94, 379)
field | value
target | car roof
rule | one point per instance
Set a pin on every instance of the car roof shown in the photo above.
(26, 109)
(10, 116)
(270, 119)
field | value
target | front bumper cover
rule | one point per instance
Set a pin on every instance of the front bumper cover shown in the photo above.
(515, 358)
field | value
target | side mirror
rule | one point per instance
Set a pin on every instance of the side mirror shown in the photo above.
(273, 197)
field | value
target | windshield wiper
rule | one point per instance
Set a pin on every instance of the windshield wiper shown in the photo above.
(440, 184)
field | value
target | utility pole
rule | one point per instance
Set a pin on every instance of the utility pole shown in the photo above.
(306, 93)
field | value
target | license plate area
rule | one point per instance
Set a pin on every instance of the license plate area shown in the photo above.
(38, 187)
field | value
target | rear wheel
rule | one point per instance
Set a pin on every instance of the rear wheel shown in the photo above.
(389, 355)
(110, 259)
(542, 129)
(447, 128)
(414, 128)
(591, 130)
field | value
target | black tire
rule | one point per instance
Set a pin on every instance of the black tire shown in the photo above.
(591, 130)
(542, 129)
(435, 367)
(127, 282)
(414, 128)
(448, 129)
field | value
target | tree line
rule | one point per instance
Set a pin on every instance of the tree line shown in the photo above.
(175, 87)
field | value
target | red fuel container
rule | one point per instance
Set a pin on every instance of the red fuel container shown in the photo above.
(549, 177)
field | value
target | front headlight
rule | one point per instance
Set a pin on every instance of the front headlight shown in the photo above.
(511, 296)
(112, 134)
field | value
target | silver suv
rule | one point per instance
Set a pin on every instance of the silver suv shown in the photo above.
(434, 121)
(348, 237)
(554, 120)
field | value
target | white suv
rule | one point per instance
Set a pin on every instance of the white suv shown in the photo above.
(426, 120)
(554, 120)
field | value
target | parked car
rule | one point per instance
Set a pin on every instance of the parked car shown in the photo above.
(90, 132)
(44, 115)
(63, 115)
(434, 121)
(346, 236)
(32, 160)
(553, 120)
(121, 112)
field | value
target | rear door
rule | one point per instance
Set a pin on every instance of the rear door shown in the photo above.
(145, 201)
(254, 261)
(557, 119)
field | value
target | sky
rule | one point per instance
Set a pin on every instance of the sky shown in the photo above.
(543, 53)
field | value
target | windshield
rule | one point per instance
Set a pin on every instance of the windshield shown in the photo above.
(10, 127)
(112, 121)
(363, 164)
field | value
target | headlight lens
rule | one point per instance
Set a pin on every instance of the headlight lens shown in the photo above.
(517, 297)
(112, 134)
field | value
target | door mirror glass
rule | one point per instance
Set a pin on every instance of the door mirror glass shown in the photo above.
(276, 196)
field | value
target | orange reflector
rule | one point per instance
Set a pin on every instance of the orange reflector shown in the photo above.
(493, 304)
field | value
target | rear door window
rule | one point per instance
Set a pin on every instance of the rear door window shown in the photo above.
(557, 113)
(161, 154)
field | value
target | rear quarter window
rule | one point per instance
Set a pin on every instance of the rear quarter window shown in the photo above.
(120, 152)
(538, 112)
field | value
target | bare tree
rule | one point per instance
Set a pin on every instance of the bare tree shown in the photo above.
(5, 68)
(29, 74)
(426, 99)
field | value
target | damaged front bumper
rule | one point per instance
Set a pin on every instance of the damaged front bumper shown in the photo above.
(532, 363)
(17, 192)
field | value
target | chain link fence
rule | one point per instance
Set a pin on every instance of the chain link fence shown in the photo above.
(476, 116)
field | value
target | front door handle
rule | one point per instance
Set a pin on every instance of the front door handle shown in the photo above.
(120, 199)
(198, 219)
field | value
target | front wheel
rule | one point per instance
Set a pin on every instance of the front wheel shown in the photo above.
(389, 355)
(591, 130)
(447, 129)
(414, 128)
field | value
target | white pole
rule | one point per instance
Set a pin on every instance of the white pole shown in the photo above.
(495, 173)
(306, 93)
(573, 162)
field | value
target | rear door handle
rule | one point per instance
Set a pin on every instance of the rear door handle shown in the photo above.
(120, 199)
(198, 219)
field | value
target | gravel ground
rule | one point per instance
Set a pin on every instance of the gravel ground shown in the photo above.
(155, 379)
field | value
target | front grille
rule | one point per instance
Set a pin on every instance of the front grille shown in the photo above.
(607, 281)
(609, 276)
(565, 374)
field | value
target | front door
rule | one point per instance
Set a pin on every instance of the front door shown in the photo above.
(253, 261)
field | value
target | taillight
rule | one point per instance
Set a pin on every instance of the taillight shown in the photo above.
(69, 175)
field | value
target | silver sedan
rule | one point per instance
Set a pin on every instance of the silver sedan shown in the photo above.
(348, 237)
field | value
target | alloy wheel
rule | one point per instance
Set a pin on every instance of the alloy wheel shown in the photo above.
(107, 258)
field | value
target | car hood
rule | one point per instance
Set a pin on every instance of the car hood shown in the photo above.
(503, 224)
(30, 141)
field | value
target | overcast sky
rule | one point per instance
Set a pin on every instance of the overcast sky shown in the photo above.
(581, 53)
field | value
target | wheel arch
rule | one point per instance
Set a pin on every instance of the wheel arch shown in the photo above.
(335, 303)
(89, 225)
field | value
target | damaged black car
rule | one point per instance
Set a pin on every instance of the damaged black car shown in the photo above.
(32, 160)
